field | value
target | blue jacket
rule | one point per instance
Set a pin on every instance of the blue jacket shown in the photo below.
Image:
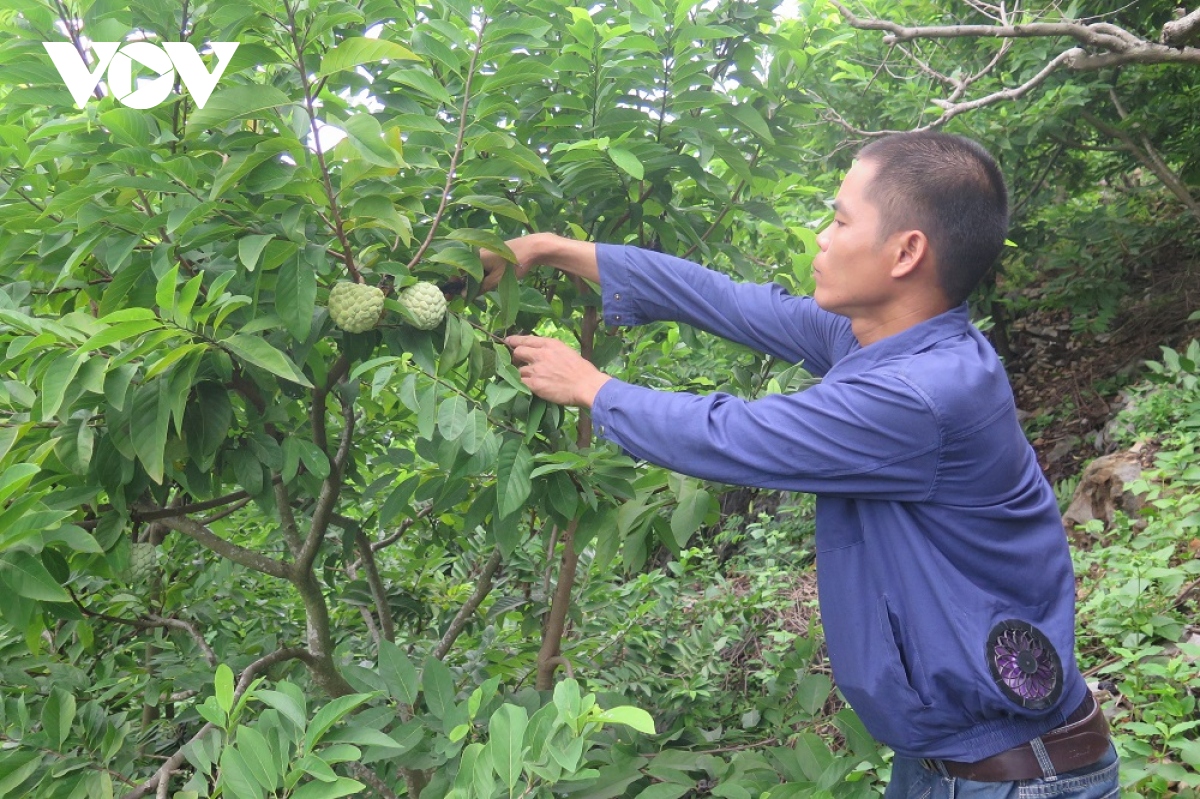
(935, 525)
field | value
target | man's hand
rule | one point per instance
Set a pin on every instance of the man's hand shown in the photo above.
(536, 249)
(529, 251)
(555, 372)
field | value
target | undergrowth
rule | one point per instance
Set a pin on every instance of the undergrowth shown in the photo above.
(1138, 588)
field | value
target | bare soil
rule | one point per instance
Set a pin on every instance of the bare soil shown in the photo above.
(1068, 384)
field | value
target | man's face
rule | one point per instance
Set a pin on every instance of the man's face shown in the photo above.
(851, 272)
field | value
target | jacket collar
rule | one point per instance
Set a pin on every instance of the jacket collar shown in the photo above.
(921, 336)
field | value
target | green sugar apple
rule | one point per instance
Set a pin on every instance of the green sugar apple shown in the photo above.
(355, 307)
(143, 562)
(426, 303)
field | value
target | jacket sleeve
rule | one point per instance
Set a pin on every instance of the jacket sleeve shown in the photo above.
(872, 437)
(640, 286)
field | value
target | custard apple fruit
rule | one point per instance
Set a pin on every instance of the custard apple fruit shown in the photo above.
(355, 307)
(426, 303)
(143, 563)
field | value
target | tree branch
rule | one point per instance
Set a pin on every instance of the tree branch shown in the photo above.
(482, 589)
(330, 489)
(226, 549)
(1182, 31)
(402, 529)
(451, 172)
(151, 622)
(291, 533)
(1115, 44)
(339, 228)
(340, 368)
(378, 590)
(1147, 155)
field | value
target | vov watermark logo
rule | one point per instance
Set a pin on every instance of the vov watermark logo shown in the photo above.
(118, 59)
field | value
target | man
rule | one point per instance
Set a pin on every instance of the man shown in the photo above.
(946, 587)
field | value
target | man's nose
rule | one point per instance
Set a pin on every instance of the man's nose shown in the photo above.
(823, 238)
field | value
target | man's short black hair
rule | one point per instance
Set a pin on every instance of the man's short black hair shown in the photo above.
(951, 189)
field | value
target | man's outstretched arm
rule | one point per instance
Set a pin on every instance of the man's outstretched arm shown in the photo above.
(543, 249)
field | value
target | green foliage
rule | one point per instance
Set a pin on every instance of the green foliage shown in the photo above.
(197, 468)
(1139, 591)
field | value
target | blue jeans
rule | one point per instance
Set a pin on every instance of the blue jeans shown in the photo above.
(911, 780)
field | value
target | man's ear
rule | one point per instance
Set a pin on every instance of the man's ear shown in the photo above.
(912, 252)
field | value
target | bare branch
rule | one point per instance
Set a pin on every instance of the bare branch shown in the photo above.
(291, 533)
(190, 629)
(378, 589)
(371, 778)
(403, 528)
(1182, 31)
(1116, 45)
(482, 589)
(1147, 154)
(951, 110)
(330, 490)
(226, 549)
(153, 621)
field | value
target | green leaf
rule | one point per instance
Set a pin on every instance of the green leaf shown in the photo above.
(27, 577)
(187, 300)
(513, 465)
(628, 715)
(464, 780)
(258, 352)
(15, 768)
(366, 736)
(812, 691)
(316, 767)
(628, 162)
(750, 119)
(74, 538)
(376, 206)
(506, 730)
(236, 102)
(398, 673)
(438, 685)
(223, 688)
(57, 716)
(496, 205)
(423, 82)
(328, 790)
(296, 296)
(250, 249)
(331, 714)
(285, 704)
(15, 478)
(689, 513)
(236, 777)
(259, 759)
(148, 432)
(366, 136)
(55, 383)
(452, 417)
(351, 53)
(164, 293)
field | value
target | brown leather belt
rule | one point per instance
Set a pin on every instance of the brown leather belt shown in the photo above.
(1080, 742)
